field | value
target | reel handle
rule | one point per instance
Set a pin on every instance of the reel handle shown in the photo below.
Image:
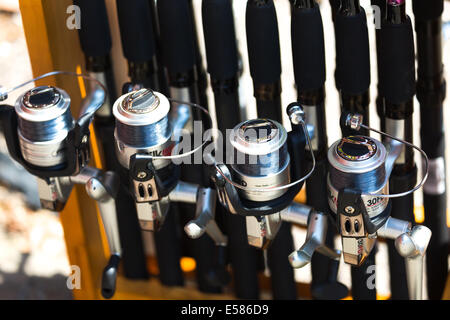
(103, 187)
(315, 241)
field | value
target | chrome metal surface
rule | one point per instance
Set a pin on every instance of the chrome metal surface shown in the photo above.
(44, 121)
(107, 207)
(143, 126)
(296, 213)
(151, 215)
(204, 218)
(315, 241)
(106, 107)
(356, 250)
(184, 192)
(396, 128)
(182, 94)
(413, 245)
(393, 228)
(261, 230)
(311, 121)
(261, 159)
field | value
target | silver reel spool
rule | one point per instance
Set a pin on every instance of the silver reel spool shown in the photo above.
(261, 159)
(143, 126)
(44, 120)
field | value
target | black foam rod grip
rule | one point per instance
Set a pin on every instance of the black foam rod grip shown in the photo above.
(177, 37)
(136, 30)
(220, 39)
(352, 53)
(308, 48)
(427, 10)
(94, 34)
(263, 41)
(397, 62)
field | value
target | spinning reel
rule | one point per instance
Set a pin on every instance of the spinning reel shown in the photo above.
(358, 184)
(265, 175)
(147, 135)
(43, 137)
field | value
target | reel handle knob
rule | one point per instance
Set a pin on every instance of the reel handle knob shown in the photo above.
(110, 276)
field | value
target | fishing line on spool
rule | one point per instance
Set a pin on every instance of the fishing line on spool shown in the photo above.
(188, 153)
(424, 155)
(276, 188)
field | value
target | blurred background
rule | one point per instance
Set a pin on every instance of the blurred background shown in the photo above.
(33, 257)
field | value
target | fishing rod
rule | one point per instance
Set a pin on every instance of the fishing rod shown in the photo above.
(431, 87)
(139, 48)
(179, 57)
(379, 99)
(265, 68)
(95, 40)
(397, 87)
(310, 73)
(202, 82)
(159, 65)
(353, 81)
(138, 43)
(222, 62)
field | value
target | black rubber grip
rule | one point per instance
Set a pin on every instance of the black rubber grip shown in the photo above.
(427, 10)
(220, 39)
(308, 48)
(263, 41)
(177, 38)
(397, 64)
(437, 253)
(136, 30)
(94, 34)
(352, 53)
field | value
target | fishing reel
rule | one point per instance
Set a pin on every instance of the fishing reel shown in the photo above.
(264, 174)
(147, 137)
(358, 185)
(43, 137)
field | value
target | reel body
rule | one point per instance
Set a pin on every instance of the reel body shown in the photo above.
(147, 131)
(357, 168)
(358, 185)
(43, 137)
(144, 131)
(258, 183)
